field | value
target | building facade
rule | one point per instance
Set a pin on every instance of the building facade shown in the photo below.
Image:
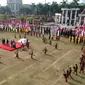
(14, 5)
(82, 17)
(69, 16)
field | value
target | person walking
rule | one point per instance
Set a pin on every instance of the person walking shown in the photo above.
(50, 42)
(76, 69)
(32, 53)
(45, 50)
(65, 76)
(56, 46)
(17, 54)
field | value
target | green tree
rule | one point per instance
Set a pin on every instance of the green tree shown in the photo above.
(81, 7)
(47, 9)
(33, 8)
(25, 10)
(74, 4)
(64, 3)
(2, 10)
(5, 10)
(40, 9)
(54, 8)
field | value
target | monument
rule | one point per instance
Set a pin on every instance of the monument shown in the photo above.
(82, 17)
(69, 16)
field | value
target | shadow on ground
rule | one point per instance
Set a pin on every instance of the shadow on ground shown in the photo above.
(81, 76)
(2, 63)
(70, 83)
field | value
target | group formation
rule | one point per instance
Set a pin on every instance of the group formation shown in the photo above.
(75, 69)
(82, 61)
(68, 73)
(49, 42)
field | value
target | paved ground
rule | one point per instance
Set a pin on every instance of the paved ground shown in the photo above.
(45, 69)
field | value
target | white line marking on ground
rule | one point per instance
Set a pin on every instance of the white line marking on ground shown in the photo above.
(11, 77)
(9, 67)
(57, 60)
(3, 81)
(21, 62)
(14, 75)
(55, 83)
(13, 65)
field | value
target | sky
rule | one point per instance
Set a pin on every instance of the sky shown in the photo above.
(3, 2)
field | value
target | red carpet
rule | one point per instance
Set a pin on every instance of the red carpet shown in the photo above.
(7, 47)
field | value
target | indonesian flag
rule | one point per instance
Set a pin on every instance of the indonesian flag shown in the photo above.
(59, 28)
(83, 27)
(20, 25)
(1, 25)
(58, 33)
(13, 22)
(82, 33)
(27, 26)
(10, 26)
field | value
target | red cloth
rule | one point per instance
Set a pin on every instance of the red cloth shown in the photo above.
(8, 48)
(82, 69)
(57, 37)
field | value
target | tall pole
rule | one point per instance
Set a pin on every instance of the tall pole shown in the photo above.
(66, 17)
(45, 6)
(70, 18)
(45, 1)
(75, 17)
(62, 16)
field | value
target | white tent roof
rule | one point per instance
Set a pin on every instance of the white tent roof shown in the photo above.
(58, 14)
(23, 40)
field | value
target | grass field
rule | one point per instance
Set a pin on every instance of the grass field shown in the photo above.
(45, 69)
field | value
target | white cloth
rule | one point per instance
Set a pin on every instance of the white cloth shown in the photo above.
(23, 40)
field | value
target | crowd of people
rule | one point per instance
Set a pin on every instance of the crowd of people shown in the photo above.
(74, 35)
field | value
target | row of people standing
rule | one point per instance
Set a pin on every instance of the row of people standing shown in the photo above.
(73, 37)
(11, 43)
(5, 41)
(67, 33)
(77, 39)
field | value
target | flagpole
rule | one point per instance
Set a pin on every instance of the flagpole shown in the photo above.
(45, 1)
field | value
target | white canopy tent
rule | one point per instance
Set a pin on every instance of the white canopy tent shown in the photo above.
(23, 40)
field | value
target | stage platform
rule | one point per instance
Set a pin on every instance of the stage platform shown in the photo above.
(8, 48)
